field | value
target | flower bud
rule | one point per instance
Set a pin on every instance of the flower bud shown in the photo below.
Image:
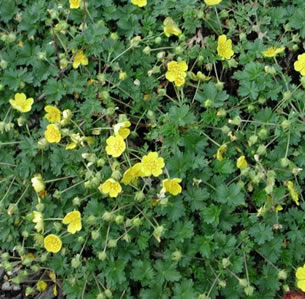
(101, 162)
(221, 112)
(3, 64)
(123, 76)
(136, 221)
(208, 103)
(249, 290)
(226, 262)
(147, 50)
(119, 219)
(12, 209)
(139, 196)
(161, 55)
(107, 216)
(91, 220)
(95, 234)
(76, 201)
(102, 255)
(158, 40)
(38, 183)
(176, 255)
(252, 140)
(261, 150)
(108, 293)
(263, 133)
(112, 243)
(285, 124)
(114, 36)
(243, 282)
(76, 262)
(282, 275)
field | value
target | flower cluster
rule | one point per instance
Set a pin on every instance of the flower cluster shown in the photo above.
(176, 72)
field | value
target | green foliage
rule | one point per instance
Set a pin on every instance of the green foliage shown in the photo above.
(232, 229)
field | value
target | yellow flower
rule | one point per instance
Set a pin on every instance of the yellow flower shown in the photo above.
(171, 186)
(115, 146)
(21, 103)
(38, 183)
(139, 3)
(212, 2)
(241, 163)
(111, 186)
(52, 134)
(38, 219)
(152, 165)
(53, 114)
(79, 58)
(20, 44)
(224, 47)
(170, 27)
(300, 275)
(52, 243)
(293, 193)
(74, 3)
(121, 129)
(41, 286)
(73, 219)
(131, 174)
(220, 152)
(176, 72)
(272, 52)
(299, 65)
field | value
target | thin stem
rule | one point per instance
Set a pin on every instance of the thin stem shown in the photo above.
(287, 147)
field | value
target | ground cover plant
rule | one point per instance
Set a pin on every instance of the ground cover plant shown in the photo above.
(153, 148)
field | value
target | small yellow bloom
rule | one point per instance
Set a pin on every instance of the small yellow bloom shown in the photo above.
(52, 243)
(38, 219)
(131, 174)
(299, 65)
(224, 47)
(212, 2)
(176, 72)
(53, 114)
(20, 44)
(38, 183)
(293, 193)
(115, 146)
(73, 219)
(41, 286)
(74, 4)
(300, 275)
(170, 27)
(21, 103)
(278, 208)
(52, 134)
(241, 163)
(139, 3)
(111, 187)
(152, 165)
(121, 129)
(272, 52)
(221, 150)
(171, 186)
(79, 58)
